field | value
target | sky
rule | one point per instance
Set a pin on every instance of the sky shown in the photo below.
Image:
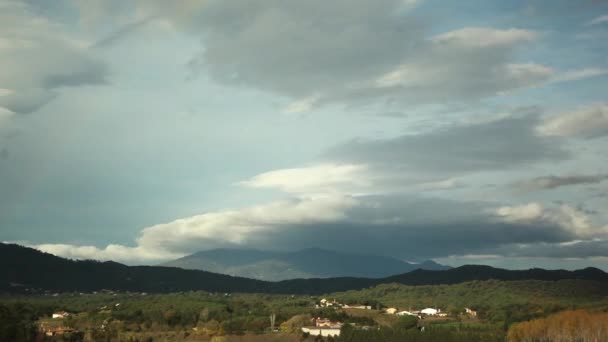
(466, 132)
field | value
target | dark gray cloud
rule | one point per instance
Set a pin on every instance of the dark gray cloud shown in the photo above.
(416, 228)
(349, 51)
(299, 48)
(122, 32)
(407, 227)
(504, 143)
(552, 182)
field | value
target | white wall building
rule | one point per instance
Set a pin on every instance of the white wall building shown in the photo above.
(325, 332)
(61, 314)
(407, 313)
(430, 311)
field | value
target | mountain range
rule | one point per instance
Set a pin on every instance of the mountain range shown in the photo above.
(302, 264)
(26, 270)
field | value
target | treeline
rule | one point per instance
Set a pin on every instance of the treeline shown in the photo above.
(407, 329)
(571, 325)
(24, 269)
(497, 302)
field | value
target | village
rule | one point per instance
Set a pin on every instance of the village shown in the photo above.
(325, 327)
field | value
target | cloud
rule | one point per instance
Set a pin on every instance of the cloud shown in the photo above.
(587, 122)
(5, 115)
(428, 161)
(552, 182)
(599, 20)
(317, 52)
(111, 252)
(575, 75)
(484, 37)
(397, 225)
(568, 218)
(122, 32)
(324, 178)
(503, 143)
(39, 58)
(572, 249)
(302, 105)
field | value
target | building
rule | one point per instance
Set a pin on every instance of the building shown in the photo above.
(470, 312)
(430, 311)
(61, 314)
(408, 313)
(391, 311)
(357, 306)
(323, 327)
(326, 323)
(325, 332)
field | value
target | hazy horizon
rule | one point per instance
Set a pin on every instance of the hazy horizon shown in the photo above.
(463, 133)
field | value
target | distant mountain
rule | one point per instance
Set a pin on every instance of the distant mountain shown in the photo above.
(306, 263)
(25, 269)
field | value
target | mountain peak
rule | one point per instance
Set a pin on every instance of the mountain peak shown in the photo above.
(312, 262)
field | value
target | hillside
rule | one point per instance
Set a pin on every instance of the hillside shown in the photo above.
(306, 263)
(26, 268)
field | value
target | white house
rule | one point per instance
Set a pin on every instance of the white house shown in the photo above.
(357, 306)
(314, 331)
(430, 311)
(470, 311)
(407, 313)
(61, 314)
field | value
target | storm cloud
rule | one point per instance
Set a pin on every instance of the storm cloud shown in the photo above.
(407, 227)
(504, 143)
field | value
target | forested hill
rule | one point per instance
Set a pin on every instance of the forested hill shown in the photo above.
(24, 268)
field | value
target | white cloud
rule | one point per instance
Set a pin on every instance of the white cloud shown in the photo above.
(599, 20)
(301, 106)
(528, 73)
(589, 122)
(575, 75)
(112, 252)
(4, 92)
(570, 219)
(223, 228)
(485, 37)
(520, 213)
(317, 179)
(242, 226)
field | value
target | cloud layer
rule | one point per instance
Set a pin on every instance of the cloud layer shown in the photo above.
(401, 226)
(156, 111)
(552, 182)
(39, 58)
